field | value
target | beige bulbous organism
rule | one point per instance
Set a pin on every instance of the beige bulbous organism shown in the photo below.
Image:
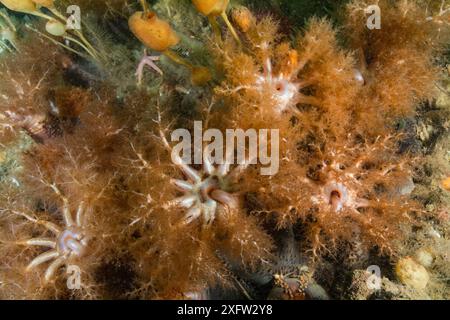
(55, 28)
(411, 273)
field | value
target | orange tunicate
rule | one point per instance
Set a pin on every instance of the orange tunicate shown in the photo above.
(290, 64)
(211, 7)
(152, 31)
(293, 58)
(45, 3)
(200, 76)
(446, 184)
(20, 5)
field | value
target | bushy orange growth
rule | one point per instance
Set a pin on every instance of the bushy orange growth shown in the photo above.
(321, 98)
(24, 85)
(57, 224)
(190, 222)
(347, 191)
(99, 187)
(397, 61)
(269, 81)
(62, 211)
(46, 235)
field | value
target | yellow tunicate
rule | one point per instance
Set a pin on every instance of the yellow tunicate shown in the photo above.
(45, 3)
(152, 31)
(211, 7)
(20, 5)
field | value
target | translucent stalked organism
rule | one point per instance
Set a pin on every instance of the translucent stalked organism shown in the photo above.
(55, 25)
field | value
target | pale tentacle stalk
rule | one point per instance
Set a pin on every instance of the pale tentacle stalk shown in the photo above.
(7, 33)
